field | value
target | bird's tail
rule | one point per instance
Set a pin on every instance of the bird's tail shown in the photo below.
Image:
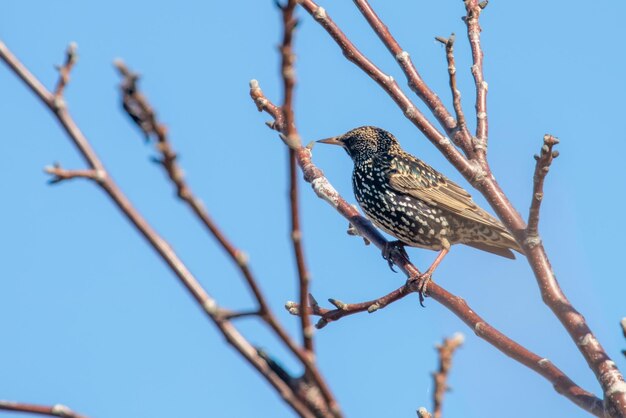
(501, 246)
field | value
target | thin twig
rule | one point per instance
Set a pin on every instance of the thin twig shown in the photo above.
(105, 182)
(141, 112)
(288, 72)
(346, 309)
(456, 93)
(57, 410)
(542, 166)
(458, 133)
(322, 187)
(480, 176)
(440, 377)
(473, 9)
(64, 70)
(59, 174)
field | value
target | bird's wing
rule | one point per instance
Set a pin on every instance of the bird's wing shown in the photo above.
(411, 176)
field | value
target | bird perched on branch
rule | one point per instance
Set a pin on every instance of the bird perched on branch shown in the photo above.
(413, 202)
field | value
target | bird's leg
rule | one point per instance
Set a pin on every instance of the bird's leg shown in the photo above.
(425, 278)
(428, 274)
(392, 248)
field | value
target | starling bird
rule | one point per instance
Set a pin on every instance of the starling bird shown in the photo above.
(413, 202)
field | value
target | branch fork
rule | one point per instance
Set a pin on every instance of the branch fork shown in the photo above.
(60, 174)
(343, 309)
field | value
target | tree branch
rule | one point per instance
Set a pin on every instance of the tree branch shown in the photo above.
(480, 176)
(544, 160)
(59, 174)
(456, 93)
(473, 8)
(446, 351)
(346, 309)
(57, 410)
(322, 187)
(288, 72)
(64, 70)
(141, 112)
(167, 254)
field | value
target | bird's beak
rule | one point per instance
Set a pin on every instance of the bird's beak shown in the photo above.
(332, 141)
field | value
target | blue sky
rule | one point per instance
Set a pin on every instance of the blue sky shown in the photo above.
(93, 319)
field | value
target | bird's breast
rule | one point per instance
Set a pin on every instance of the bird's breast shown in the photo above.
(406, 218)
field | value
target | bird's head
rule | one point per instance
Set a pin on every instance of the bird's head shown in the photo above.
(364, 143)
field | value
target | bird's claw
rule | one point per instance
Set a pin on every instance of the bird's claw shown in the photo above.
(422, 282)
(391, 249)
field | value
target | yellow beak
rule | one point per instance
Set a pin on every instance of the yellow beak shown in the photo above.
(332, 141)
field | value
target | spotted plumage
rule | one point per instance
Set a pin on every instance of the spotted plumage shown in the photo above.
(411, 201)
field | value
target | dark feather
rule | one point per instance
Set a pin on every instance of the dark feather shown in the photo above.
(503, 252)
